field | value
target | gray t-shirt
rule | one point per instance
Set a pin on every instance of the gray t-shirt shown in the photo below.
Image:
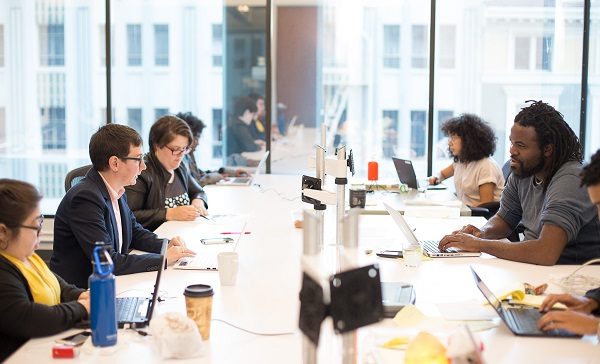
(565, 204)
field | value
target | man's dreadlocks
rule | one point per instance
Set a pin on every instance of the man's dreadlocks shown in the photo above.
(551, 129)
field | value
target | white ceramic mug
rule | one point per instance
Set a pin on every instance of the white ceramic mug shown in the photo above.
(228, 267)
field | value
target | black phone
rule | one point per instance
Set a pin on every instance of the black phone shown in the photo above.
(390, 254)
(211, 241)
(75, 339)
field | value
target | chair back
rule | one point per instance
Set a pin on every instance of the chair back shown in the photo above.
(506, 171)
(75, 176)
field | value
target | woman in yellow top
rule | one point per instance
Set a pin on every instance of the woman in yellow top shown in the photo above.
(34, 301)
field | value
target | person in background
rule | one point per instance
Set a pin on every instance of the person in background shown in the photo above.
(582, 314)
(96, 210)
(239, 135)
(204, 177)
(560, 223)
(34, 302)
(166, 190)
(257, 127)
(477, 177)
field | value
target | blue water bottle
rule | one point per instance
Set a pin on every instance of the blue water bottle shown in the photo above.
(103, 302)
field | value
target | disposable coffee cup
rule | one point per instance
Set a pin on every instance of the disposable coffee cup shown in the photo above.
(198, 303)
(228, 268)
(358, 197)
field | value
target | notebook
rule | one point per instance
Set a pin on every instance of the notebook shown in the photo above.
(137, 311)
(522, 321)
(245, 181)
(206, 259)
(406, 174)
(430, 247)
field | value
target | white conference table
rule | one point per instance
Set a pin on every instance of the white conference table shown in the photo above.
(265, 298)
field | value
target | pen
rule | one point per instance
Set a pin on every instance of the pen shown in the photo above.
(233, 232)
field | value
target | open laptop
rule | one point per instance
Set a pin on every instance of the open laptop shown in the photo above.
(206, 259)
(406, 175)
(396, 295)
(137, 311)
(522, 321)
(430, 247)
(245, 181)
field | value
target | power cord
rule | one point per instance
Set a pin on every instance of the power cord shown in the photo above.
(578, 283)
(279, 194)
(254, 332)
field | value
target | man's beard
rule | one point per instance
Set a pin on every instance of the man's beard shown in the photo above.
(523, 172)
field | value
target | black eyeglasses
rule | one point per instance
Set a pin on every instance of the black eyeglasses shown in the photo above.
(179, 151)
(37, 228)
(137, 159)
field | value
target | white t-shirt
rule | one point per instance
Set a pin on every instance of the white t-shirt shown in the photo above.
(469, 176)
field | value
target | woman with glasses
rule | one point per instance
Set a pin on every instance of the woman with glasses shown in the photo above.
(166, 190)
(34, 302)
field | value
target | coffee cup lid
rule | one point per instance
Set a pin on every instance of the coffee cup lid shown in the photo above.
(198, 290)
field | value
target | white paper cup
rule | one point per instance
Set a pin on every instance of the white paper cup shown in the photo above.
(228, 268)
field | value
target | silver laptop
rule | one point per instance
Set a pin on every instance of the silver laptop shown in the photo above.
(522, 321)
(137, 311)
(206, 258)
(245, 181)
(430, 247)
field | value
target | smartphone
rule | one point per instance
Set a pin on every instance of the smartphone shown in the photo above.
(211, 241)
(76, 339)
(390, 254)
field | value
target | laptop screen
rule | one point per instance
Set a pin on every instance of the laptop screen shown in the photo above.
(406, 172)
(163, 254)
(489, 296)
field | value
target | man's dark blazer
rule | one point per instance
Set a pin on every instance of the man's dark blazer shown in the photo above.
(85, 216)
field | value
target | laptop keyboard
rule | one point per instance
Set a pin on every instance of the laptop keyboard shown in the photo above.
(524, 319)
(431, 246)
(126, 308)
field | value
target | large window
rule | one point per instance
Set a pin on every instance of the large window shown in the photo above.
(508, 53)
(52, 90)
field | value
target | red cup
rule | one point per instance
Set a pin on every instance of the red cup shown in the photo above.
(373, 171)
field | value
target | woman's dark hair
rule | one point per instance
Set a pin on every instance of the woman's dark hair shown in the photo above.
(551, 129)
(165, 129)
(196, 125)
(478, 138)
(109, 140)
(18, 199)
(590, 175)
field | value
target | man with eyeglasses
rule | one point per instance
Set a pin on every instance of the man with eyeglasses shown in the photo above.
(96, 210)
(166, 190)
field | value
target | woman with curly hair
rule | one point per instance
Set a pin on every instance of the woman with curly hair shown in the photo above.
(477, 177)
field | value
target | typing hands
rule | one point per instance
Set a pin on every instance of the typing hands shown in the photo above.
(461, 241)
(576, 319)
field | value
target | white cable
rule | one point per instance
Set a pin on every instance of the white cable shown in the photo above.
(578, 283)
